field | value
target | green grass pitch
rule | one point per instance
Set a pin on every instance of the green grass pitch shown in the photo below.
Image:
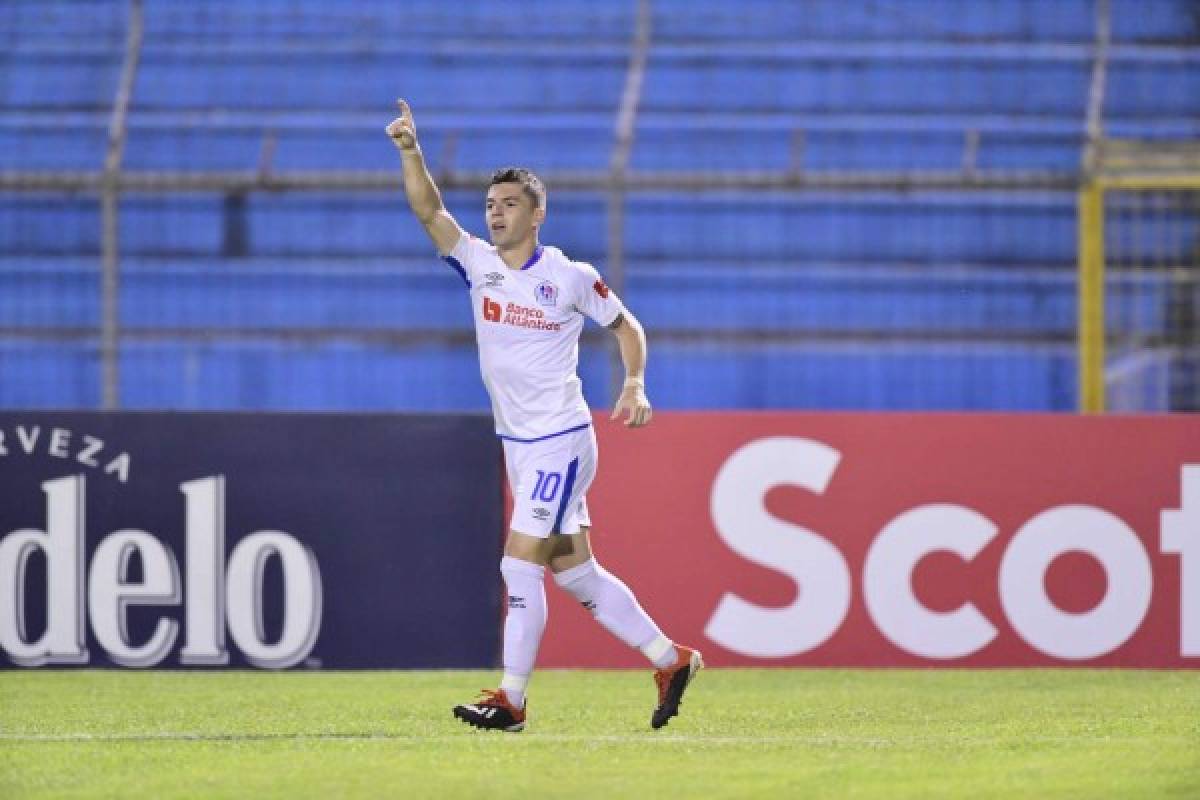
(742, 733)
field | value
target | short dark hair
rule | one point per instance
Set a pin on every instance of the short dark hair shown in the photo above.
(530, 183)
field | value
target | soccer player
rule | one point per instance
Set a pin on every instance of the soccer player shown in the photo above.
(529, 301)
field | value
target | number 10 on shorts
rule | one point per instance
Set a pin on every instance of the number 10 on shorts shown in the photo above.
(547, 486)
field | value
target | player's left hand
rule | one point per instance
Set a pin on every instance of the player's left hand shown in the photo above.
(633, 400)
(402, 129)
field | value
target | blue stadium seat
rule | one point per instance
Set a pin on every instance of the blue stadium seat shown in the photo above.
(349, 296)
(52, 375)
(838, 142)
(1154, 84)
(54, 145)
(275, 375)
(929, 20)
(926, 228)
(299, 376)
(49, 224)
(365, 296)
(376, 21)
(63, 78)
(864, 376)
(352, 141)
(462, 78)
(41, 22)
(872, 78)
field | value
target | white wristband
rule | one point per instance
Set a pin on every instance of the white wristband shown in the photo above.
(632, 382)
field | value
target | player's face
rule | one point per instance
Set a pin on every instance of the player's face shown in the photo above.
(510, 215)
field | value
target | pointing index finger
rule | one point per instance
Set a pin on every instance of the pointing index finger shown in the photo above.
(404, 110)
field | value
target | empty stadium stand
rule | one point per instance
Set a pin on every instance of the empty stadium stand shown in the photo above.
(903, 299)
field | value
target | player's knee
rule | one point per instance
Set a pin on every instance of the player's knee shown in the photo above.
(517, 569)
(580, 581)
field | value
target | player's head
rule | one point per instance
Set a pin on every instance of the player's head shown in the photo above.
(515, 207)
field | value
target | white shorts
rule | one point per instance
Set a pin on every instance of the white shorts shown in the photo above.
(549, 479)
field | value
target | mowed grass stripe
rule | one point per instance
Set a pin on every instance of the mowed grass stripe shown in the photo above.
(743, 733)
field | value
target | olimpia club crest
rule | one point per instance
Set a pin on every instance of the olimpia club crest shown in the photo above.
(547, 294)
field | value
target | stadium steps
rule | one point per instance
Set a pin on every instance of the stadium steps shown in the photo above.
(932, 20)
(198, 374)
(199, 140)
(908, 111)
(352, 376)
(236, 140)
(747, 229)
(919, 227)
(843, 300)
(1024, 21)
(317, 20)
(863, 77)
(1004, 78)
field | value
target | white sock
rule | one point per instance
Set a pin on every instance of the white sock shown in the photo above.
(514, 688)
(615, 607)
(523, 625)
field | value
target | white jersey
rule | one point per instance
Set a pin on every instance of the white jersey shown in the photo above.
(527, 324)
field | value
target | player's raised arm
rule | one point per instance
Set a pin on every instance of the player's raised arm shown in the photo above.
(632, 341)
(423, 195)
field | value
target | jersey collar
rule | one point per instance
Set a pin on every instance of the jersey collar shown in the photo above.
(537, 253)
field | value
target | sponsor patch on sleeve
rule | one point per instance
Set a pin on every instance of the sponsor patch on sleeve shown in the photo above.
(601, 288)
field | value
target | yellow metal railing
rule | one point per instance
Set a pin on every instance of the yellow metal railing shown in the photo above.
(1091, 299)
(1127, 168)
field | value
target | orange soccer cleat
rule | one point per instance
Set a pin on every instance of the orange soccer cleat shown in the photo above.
(672, 682)
(493, 712)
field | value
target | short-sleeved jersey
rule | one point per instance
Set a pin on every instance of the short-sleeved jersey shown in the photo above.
(527, 324)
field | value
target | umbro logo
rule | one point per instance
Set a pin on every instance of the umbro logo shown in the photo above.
(516, 602)
(494, 279)
(541, 513)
